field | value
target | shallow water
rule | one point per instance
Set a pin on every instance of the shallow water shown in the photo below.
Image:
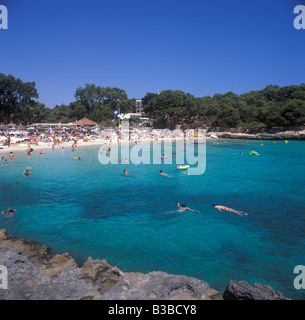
(89, 209)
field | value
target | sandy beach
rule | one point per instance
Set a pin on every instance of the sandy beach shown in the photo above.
(22, 148)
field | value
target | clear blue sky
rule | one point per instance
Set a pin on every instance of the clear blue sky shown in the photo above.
(198, 46)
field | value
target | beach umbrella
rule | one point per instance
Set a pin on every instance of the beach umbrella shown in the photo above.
(11, 126)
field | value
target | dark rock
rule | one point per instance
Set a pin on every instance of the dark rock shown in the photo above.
(101, 274)
(242, 290)
(33, 274)
(161, 286)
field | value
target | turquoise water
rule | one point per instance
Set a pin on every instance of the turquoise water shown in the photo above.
(88, 209)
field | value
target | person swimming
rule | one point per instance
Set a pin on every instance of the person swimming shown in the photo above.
(125, 172)
(220, 208)
(183, 207)
(9, 211)
(163, 174)
(26, 172)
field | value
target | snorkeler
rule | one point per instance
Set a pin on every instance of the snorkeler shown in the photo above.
(220, 208)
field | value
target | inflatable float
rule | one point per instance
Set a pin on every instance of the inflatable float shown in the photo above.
(183, 167)
(253, 153)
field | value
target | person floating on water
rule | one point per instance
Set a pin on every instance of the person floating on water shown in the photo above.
(220, 208)
(183, 207)
(9, 211)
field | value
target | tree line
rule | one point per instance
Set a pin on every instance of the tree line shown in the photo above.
(273, 106)
(19, 104)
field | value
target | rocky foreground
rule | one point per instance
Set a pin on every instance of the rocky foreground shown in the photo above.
(34, 274)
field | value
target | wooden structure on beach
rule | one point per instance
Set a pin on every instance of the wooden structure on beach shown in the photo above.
(86, 123)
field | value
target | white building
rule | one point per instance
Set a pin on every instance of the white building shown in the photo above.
(139, 106)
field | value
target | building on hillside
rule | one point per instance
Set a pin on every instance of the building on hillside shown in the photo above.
(139, 106)
(128, 116)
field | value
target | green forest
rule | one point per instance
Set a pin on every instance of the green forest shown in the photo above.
(270, 107)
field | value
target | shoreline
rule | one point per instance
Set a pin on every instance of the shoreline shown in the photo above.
(281, 136)
(80, 144)
(34, 273)
(260, 136)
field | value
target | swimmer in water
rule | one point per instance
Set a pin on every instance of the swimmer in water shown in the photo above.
(163, 174)
(9, 211)
(26, 172)
(125, 172)
(183, 207)
(220, 208)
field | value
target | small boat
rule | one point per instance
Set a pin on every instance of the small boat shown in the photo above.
(213, 136)
(183, 167)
